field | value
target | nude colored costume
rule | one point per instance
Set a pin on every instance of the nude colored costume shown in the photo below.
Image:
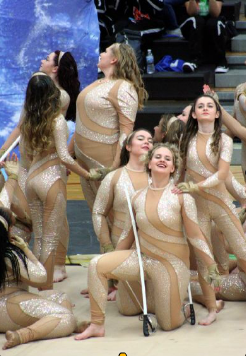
(111, 198)
(38, 316)
(20, 191)
(233, 288)
(240, 115)
(46, 315)
(106, 112)
(160, 216)
(213, 202)
(46, 195)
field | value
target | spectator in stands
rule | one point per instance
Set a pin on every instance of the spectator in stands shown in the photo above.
(204, 26)
(170, 19)
(112, 17)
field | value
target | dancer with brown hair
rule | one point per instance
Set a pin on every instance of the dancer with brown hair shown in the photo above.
(29, 316)
(62, 69)
(44, 133)
(207, 153)
(110, 198)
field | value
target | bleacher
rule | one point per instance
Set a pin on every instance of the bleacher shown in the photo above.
(170, 92)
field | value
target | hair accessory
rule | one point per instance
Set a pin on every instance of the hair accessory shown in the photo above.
(61, 54)
(4, 222)
(38, 73)
(171, 121)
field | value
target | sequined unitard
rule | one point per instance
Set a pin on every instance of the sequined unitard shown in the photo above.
(35, 316)
(111, 198)
(19, 199)
(106, 111)
(213, 202)
(160, 217)
(240, 115)
(46, 195)
(46, 315)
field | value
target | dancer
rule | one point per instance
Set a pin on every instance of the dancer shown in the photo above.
(185, 113)
(62, 69)
(28, 316)
(110, 198)
(160, 216)
(106, 113)
(44, 132)
(208, 154)
(233, 285)
(161, 129)
(237, 127)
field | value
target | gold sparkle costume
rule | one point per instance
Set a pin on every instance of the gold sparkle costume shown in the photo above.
(35, 316)
(240, 115)
(106, 111)
(46, 195)
(46, 315)
(233, 288)
(213, 201)
(160, 217)
(111, 198)
(19, 199)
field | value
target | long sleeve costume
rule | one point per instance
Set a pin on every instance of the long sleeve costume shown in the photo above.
(46, 315)
(111, 198)
(160, 217)
(213, 202)
(46, 195)
(106, 111)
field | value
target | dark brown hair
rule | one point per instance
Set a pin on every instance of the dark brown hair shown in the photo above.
(68, 79)
(191, 129)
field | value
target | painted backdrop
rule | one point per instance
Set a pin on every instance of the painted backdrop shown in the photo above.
(31, 29)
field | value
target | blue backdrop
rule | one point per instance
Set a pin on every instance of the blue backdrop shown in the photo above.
(31, 29)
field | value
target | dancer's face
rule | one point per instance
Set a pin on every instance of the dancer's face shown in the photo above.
(48, 64)
(162, 162)
(205, 110)
(141, 143)
(107, 59)
(158, 135)
(185, 114)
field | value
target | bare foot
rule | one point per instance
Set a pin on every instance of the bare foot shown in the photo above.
(220, 305)
(93, 330)
(13, 339)
(82, 326)
(112, 296)
(59, 274)
(84, 291)
(210, 318)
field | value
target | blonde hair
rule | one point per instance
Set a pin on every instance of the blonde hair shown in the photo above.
(175, 154)
(126, 68)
